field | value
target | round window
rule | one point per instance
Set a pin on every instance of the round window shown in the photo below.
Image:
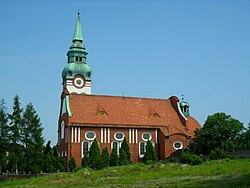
(146, 136)
(178, 145)
(119, 136)
(90, 135)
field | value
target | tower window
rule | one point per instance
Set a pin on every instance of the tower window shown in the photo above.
(80, 58)
(76, 58)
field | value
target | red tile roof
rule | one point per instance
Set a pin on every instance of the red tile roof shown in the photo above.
(102, 110)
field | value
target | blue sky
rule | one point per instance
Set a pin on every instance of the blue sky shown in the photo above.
(142, 48)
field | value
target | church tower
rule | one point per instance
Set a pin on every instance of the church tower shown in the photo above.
(76, 74)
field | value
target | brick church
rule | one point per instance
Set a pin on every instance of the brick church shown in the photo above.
(84, 117)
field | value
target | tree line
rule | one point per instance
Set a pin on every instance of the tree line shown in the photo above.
(22, 147)
(98, 160)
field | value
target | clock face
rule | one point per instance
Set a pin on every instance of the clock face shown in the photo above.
(79, 81)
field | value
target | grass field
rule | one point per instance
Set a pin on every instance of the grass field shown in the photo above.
(222, 173)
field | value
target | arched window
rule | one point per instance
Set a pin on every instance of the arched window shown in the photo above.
(62, 130)
(142, 148)
(85, 147)
(116, 145)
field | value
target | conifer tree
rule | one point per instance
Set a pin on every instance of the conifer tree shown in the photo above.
(85, 160)
(114, 159)
(15, 150)
(94, 155)
(72, 164)
(31, 137)
(105, 158)
(150, 154)
(126, 149)
(4, 142)
(122, 157)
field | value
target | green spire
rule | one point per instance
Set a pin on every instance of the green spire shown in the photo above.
(78, 30)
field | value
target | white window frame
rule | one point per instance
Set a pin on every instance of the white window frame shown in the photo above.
(150, 136)
(119, 139)
(90, 132)
(118, 144)
(178, 143)
(142, 155)
(89, 144)
(62, 129)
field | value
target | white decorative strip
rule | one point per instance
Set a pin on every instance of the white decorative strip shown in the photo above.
(79, 134)
(75, 135)
(72, 135)
(133, 136)
(136, 136)
(104, 135)
(129, 136)
(101, 135)
(156, 136)
(108, 135)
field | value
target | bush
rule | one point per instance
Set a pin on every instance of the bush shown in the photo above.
(218, 154)
(189, 158)
(85, 160)
(105, 158)
(114, 159)
(72, 164)
(150, 153)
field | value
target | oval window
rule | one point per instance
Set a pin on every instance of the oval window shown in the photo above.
(178, 145)
(90, 135)
(119, 136)
(146, 136)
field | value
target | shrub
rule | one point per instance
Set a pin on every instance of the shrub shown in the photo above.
(150, 153)
(218, 154)
(105, 158)
(72, 164)
(85, 160)
(189, 158)
(114, 157)
(94, 155)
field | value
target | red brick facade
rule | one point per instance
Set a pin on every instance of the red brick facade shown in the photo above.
(85, 117)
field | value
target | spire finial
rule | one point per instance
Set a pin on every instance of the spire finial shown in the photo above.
(78, 30)
(182, 97)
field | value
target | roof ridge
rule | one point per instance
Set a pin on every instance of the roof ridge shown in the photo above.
(117, 96)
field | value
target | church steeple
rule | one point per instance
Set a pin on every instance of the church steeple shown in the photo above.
(76, 74)
(78, 30)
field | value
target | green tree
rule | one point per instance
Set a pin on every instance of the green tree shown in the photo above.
(123, 160)
(126, 149)
(4, 142)
(219, 131)
(15, 149)
(32, 139)
(150, 154)
(94, 155)
(72, 164)
(85, 160)
(105, 158)
(114, 159)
